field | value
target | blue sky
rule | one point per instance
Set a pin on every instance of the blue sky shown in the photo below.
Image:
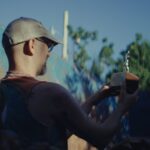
(118, 20)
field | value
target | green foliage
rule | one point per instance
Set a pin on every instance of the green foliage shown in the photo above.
(96, 70)
(81, 37)
(140, 60)
(80, 59)
(106, 52)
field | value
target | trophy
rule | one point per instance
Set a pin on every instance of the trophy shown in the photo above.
(117, 79)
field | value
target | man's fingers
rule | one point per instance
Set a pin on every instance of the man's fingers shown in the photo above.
(123, 88)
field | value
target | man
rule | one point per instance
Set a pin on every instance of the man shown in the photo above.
(43, 112)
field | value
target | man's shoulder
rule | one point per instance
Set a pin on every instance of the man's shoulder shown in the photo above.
(51, 87)
(49, 98)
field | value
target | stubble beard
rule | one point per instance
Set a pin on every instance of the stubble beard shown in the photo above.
(43, 69)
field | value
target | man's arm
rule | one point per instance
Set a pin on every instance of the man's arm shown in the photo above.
(95, 99)
(77, 121)
(56, 101)
(125, 102)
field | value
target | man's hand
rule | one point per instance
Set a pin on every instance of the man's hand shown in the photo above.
(110, 91)
(127, 100)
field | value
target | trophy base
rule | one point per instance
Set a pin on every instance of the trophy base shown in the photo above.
(132, 82)
(131, 86)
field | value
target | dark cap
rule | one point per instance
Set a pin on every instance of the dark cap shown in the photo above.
(23, 29)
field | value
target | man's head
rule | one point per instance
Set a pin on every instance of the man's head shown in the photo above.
(24, 29)
(27, 32)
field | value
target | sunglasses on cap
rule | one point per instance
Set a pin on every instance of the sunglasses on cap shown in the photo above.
(44, 40)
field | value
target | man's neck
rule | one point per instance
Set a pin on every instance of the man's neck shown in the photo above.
(13, 73)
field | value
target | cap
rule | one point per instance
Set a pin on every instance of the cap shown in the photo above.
(23, 29)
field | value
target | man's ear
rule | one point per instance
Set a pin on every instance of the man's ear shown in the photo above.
(29, 47)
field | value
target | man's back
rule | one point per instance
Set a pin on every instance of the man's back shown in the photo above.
(17, 116)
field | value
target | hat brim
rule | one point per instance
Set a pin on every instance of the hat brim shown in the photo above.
(52, 39)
